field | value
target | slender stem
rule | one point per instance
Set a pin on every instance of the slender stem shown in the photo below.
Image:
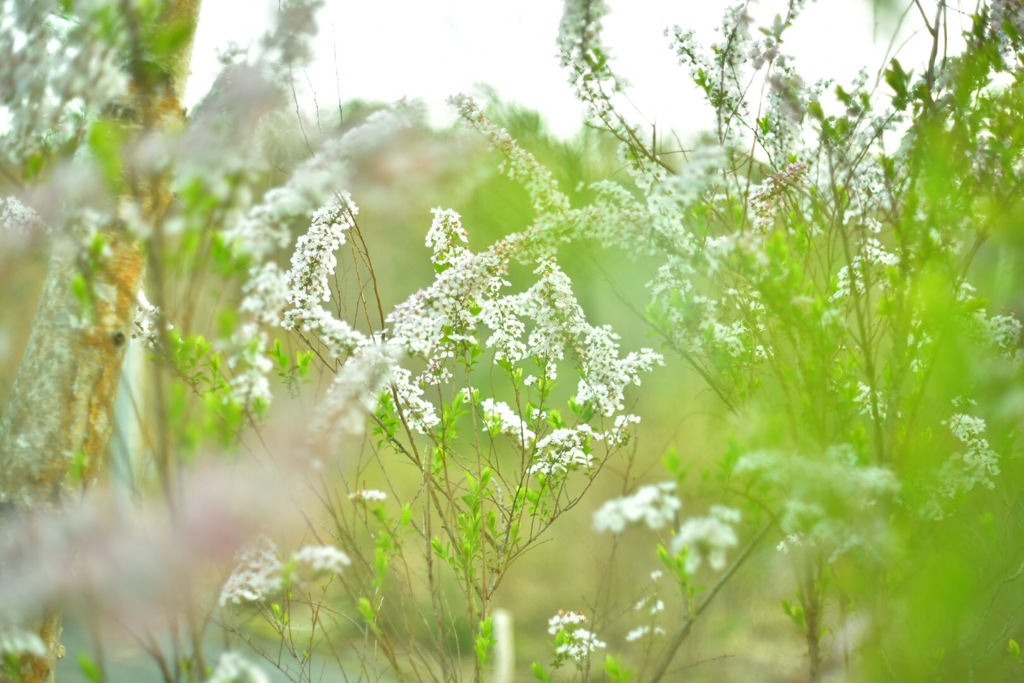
(684, 629)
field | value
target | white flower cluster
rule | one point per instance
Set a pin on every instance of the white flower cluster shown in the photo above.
(1001, 332)
(17, 641)
(257, 574)
(444, 233)
(573, 641)
(765, 198)
(265, 228)
(831, 500)
(322, 558)
(251, 364)
(651, 608)
(520, 166)
(500, 419)
(561, 328)
(707, 538)
(655, 505)
(871, 403)
(789, 542)
(313, 260)
(355, 390)
(565, 450)
(265, 294)
(260, 574)
(978, 465)
(290, 45)
(53, 72)
(434, 321)
(18, 219)
(368, 496)
(234, 668)
(868, 266)
(145, 321)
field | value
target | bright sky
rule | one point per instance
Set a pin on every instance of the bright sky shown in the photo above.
(389, 49)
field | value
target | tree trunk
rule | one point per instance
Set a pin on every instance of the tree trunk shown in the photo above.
(54, 433)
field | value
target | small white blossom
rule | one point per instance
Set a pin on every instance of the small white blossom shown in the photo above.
(978, 465)
(871, 403)
(790, 541)
(641, 631)
(576, 642)
(368, 496)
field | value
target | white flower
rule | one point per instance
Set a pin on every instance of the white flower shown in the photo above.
(654, 505)
(500, 419)
(445, 230)
(313, 261)
(564, 450)
(256, 576)
(707, 538)
(565, 620)
(17, 641)
(265, 294)
(18, 219)
(144, 322)
(368, 496)
(322, 558)
(641, 631)
(355, 390)
(790, 541)
(575, 642)
(234, 668)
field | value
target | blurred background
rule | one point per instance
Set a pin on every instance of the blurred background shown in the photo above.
(371, 54)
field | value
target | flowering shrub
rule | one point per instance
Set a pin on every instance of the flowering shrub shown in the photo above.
(818, 266)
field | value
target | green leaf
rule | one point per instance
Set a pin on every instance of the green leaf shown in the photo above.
(484, 642)
(540, 673)
(89, 668)
(615, 672)
(899, 80)
(106, 139)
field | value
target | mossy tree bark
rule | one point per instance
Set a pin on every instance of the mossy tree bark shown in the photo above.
(54, 433)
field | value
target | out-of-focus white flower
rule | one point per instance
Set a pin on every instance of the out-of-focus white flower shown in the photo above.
(655, 505)
(18, 219)
(322, 558)
(707, 538)
(234, 668)
(368, 496)
(17, 641)
(641, 631)
(256, 576)
(144, 322)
